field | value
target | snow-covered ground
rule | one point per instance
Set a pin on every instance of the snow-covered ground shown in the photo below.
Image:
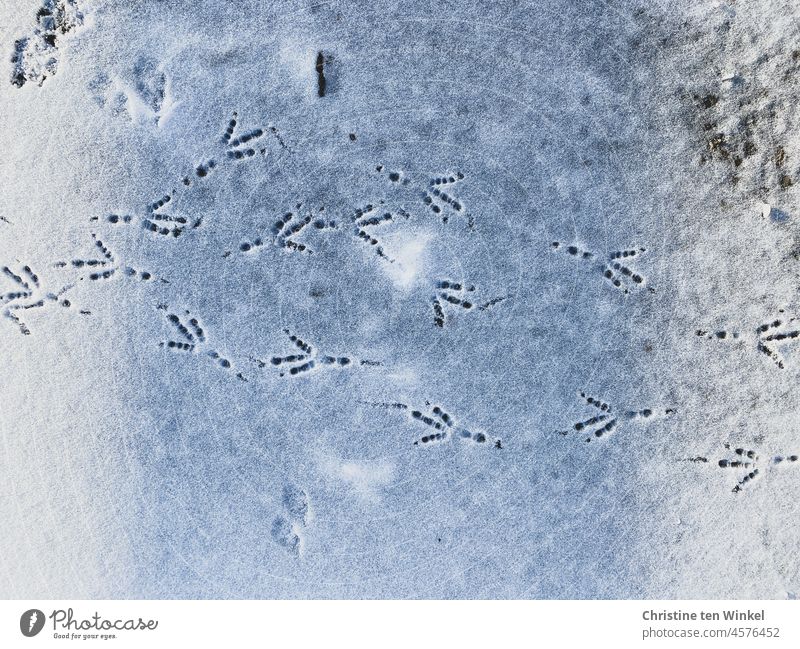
(403, 300)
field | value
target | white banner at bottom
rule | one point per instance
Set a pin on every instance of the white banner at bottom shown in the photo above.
(378, 624)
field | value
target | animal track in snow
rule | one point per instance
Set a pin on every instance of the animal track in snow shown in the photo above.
(192, 338)
(36, 57)
(143, 93)
(106, 266)
(750, 467)
(450, 293)
(309, 359)
(29, 294)
(158, 221)
(618, 273)
(240, 146)
(287, 230)
(456, 295)
(108, 93)
(290, 232)
(437, 194)
(438, 199)
(766, 337)
(442, 426)
(371, 216)
(605, 421)
(150, 84)
(287, 529)
(296, 503)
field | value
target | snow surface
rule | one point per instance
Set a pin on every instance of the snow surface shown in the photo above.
(432, 464)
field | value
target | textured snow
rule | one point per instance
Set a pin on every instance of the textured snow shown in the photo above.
(133, 469)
